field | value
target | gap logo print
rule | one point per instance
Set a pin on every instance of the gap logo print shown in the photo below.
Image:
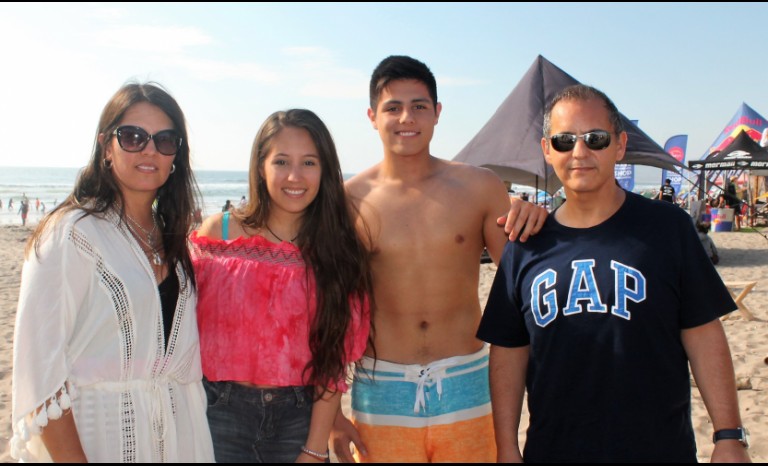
(584, 294)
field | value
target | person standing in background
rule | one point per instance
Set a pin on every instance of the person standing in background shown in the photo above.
(731, 200)
(24, 210)
(557, 199)
(706, 241)
(667, 192)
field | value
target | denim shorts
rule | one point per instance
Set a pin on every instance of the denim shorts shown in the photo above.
(255, 425)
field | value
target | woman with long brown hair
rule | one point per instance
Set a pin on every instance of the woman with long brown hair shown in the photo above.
(284, 285)
(106, 351)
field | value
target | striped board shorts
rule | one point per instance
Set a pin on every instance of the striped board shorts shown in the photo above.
(439, 412)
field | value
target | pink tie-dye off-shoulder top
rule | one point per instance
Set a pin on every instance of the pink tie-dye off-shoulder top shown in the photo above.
(255, 307)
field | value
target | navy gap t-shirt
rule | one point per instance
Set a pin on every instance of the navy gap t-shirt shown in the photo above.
(602, 309)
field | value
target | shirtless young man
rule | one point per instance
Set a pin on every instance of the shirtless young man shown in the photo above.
(427, 397)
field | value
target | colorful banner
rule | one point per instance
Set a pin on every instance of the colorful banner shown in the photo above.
(675, 146)
(625, 175)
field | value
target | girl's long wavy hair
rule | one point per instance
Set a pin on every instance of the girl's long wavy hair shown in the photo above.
(96, 191)
(328, 239)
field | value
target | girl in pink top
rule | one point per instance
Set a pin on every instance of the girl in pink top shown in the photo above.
(283, 299)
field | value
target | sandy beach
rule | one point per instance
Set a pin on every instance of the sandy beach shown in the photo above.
(744, 257)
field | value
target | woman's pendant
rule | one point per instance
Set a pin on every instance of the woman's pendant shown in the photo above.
(156, 258)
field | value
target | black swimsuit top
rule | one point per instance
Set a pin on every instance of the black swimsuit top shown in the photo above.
(169, 295)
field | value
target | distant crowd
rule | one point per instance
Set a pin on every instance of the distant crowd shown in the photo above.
(25, 207)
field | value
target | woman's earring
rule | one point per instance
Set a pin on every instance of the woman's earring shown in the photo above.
(108, 164)
(173, 167)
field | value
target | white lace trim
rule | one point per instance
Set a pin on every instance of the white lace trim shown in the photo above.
(120, 302)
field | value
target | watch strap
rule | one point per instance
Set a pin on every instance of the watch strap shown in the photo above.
(730, 434)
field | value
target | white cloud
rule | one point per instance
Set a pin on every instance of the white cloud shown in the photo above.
(151, 39)
(342, 85)
(450, 81)
(214, 70)
(323, 76)
(106, 13)
(309, 51)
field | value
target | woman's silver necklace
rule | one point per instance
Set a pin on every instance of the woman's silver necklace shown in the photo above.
(153, 253)
(279, 238)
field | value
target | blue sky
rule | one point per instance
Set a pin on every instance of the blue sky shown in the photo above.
(677, 68)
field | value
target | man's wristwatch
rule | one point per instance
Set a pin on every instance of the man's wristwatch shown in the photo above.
(740, 433)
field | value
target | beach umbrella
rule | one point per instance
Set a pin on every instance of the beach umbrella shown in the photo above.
(509, 143)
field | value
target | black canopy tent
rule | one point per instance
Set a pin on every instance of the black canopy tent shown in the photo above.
(743, 153)
(510, 142)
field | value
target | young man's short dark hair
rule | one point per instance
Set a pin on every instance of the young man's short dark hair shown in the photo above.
(396, 67)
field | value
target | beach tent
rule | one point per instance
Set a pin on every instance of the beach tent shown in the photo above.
(743, 153)
(748, 120)
(745, 119)
(509, 143)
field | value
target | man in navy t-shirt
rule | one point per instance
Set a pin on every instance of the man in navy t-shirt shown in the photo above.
(599, 315)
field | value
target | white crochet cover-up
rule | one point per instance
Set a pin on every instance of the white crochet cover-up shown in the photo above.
(89, 342)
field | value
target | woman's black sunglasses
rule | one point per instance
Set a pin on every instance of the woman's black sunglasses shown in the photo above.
(135, 139)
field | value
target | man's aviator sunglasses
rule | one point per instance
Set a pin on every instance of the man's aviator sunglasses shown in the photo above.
(595, 140)
(135, 139)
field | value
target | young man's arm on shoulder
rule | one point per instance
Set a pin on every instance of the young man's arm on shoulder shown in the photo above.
(497, 203)
(507, 368)
(712, 367)
(494, 195)
(521, 219)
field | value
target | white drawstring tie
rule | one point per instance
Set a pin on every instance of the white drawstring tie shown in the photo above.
(433, 374)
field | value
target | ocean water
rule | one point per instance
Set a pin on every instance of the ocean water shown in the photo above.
(52, 185)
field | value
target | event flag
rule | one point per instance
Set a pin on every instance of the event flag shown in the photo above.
(675, 146)
(625, 172)
(625, 175)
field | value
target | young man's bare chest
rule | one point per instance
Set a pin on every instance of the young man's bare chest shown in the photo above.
(415, 223)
